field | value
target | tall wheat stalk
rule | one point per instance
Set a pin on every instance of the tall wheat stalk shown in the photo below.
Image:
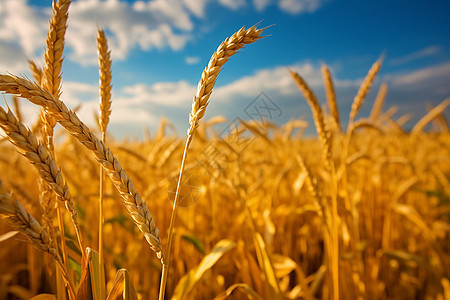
(104, 70)
(331, 234)
(51, 81)
(201, 100)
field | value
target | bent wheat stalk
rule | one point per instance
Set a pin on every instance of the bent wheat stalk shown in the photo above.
(430, 116)
(201, 100)
(70, 121)
(19, 135)
(19, 218)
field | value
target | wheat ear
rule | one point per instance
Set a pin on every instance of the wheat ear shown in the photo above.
(201, 99)
(323, 133)
(436, 111)
(24, 140)
(51, 75)
(378, 104)
(104, 59)
(363, 91)
(55, 46)
(331, 95)
(19, 218)
(17, 108)
(36, 71)
(223, 53)
(70, 121)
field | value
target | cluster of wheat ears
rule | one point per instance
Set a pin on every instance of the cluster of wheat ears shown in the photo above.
(367, 218)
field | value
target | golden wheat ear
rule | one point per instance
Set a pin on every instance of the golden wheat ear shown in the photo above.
(331, 96)
(364, 90)
(226, 49)
(322, 131)
(104, 70)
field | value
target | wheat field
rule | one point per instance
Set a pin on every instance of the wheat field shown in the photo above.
(360, 211)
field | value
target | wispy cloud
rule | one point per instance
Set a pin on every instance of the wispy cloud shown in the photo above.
(425, 52)
(296, 7)
(416, 79)
(233, 4)
(192, 60)
(261, 5)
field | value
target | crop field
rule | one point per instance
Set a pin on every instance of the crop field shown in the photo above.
(231, 210)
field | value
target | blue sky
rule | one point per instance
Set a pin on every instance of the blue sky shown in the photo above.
(159, 49)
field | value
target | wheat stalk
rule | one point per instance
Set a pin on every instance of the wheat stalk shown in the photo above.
(19, 218)
(70, 121)
(332, 237)
(226, 49)
(37, 155)
(104, 61)
(331, 95)
(51, 81)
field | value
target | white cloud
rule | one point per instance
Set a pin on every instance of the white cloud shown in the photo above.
(162, 93)
(23, 25)
(277, 80)
(421, 76)
(233, 4)
(22, 34)
(146, 25)
(299, 6)
(197, 7)
(192, 60)
(261, 5)
(426, 52)
(17, 59)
